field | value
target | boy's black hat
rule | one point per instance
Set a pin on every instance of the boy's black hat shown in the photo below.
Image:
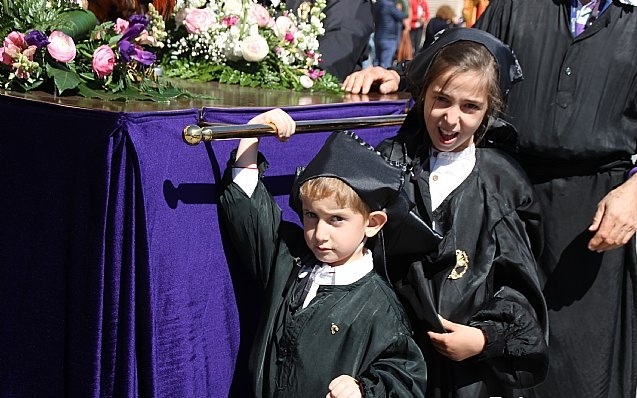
(378, 181)
(347, 157)
(508, 65)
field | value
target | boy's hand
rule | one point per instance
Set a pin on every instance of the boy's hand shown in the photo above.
(280, 120)
(344, 386)
(461, 341)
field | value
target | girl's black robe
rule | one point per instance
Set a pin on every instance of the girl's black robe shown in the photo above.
(484, 274)
(359, 329)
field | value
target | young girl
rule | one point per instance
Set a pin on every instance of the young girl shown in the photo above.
(331, 327)
(490, 336)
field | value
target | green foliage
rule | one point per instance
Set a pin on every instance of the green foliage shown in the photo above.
(260, 74)
(35, 68)
(23, 15)
(63, 77)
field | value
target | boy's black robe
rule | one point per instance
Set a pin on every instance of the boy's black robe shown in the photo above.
(484, 275)
(360, 329)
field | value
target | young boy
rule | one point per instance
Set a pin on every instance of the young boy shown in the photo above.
(331, 326)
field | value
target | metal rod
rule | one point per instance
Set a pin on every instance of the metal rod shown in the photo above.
(195, 134)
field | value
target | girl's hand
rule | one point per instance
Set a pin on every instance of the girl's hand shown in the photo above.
(344, 386)
(461, 341)
(280, 120)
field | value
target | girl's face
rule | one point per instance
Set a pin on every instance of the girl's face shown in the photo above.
(453, 114)
(336, 235)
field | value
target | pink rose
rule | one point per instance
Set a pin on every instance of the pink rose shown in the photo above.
(103, 61)
(199, 20)
(254, 48)
(61, 47)
(120, 26)
(16, 39)
(5, 56)
(260, 15)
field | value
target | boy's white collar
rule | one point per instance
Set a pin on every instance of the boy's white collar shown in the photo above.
(347, 273)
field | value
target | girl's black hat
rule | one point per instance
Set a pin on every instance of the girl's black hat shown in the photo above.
(508, 65)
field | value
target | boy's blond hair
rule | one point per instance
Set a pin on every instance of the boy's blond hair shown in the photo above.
(325, 187)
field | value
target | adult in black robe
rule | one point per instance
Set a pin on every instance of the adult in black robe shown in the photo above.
(576, 113)
(348, 25)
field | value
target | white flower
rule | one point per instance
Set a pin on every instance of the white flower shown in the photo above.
(233, 7)
(306, 81)
(283, 25)
(197, 3)
(239, 31)
(254, 48)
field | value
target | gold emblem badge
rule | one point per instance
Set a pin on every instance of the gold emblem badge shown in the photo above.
(462, 265)
(334, 328)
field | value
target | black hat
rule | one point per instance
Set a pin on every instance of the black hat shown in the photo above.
(378, 181)
(509, 68)
(347, 157)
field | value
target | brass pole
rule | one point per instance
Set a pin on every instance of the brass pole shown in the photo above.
(195, 134)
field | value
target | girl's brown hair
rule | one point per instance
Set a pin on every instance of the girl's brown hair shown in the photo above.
(467, 56)
(325, 187)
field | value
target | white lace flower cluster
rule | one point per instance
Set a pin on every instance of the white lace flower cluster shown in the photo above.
(222, 31)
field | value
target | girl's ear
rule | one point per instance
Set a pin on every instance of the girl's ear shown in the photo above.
(375, 222)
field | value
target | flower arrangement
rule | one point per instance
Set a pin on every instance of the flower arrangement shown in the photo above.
(56, 44)
(243, 42)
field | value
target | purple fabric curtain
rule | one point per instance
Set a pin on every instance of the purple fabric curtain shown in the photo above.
(114, 279)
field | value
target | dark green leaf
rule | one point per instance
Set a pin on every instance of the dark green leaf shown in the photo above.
(64, 78)
(77, 23)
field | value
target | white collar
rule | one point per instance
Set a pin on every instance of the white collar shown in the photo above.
(467, 153)
(345, 274)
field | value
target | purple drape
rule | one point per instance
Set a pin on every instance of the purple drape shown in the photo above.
(113, 275)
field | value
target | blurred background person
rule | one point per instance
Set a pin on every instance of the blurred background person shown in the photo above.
(419, 15)
(446, 17)
(388, 20)
(405, 50)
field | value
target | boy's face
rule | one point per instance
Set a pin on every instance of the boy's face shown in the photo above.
(454, 114)
(335, 235)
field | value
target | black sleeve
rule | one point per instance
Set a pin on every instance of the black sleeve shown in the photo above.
(251, 223)
(516, 346)
(348, 25)
(495, 18)
(400, 371)
(515, 319)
